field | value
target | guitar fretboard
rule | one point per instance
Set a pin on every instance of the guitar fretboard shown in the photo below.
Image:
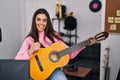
(72, 48)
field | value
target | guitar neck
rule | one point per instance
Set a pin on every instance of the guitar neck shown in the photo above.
(73, 48)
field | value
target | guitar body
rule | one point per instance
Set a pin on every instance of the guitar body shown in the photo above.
(47, 65)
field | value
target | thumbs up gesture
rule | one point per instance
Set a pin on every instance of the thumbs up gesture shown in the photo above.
(34, 47)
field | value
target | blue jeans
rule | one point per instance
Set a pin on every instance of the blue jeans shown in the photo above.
(57, 75)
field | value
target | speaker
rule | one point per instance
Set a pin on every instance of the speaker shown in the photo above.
(70, 23)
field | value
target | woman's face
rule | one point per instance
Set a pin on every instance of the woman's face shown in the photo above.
(41, 22)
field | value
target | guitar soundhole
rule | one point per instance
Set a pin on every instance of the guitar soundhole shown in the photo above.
(54, 56)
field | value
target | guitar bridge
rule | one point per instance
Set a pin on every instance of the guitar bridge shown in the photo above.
(38, 62)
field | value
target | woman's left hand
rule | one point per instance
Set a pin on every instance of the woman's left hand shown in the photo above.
(92, 41)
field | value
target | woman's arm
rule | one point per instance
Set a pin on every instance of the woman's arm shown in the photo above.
(23, 52)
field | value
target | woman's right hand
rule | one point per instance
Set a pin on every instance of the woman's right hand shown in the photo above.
(34, 47)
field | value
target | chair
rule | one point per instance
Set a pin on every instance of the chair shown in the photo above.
(89, 58)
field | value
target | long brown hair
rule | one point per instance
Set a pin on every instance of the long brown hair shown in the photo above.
(49, 31)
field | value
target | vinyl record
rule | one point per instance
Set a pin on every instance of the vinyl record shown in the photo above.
(95, 5)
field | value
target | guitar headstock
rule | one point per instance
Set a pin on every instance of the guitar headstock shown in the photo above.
(101, 36)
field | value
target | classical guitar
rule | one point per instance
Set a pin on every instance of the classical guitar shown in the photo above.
(46, 60)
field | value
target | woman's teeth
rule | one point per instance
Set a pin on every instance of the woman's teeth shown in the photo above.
(41, 27)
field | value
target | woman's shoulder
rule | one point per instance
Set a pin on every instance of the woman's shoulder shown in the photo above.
(56, 33)
(28, 39)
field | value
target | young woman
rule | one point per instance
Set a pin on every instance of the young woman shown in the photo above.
(42, 34)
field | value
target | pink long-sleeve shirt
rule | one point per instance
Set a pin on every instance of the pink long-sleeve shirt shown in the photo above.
(23, 52)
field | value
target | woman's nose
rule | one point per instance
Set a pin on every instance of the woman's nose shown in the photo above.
(41, 22)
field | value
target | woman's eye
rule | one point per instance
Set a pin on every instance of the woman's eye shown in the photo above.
(45, 20)
(38, 19)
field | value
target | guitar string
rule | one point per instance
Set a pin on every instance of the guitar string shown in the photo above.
(72, 48)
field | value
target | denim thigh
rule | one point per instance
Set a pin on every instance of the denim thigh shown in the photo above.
(57, 75)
